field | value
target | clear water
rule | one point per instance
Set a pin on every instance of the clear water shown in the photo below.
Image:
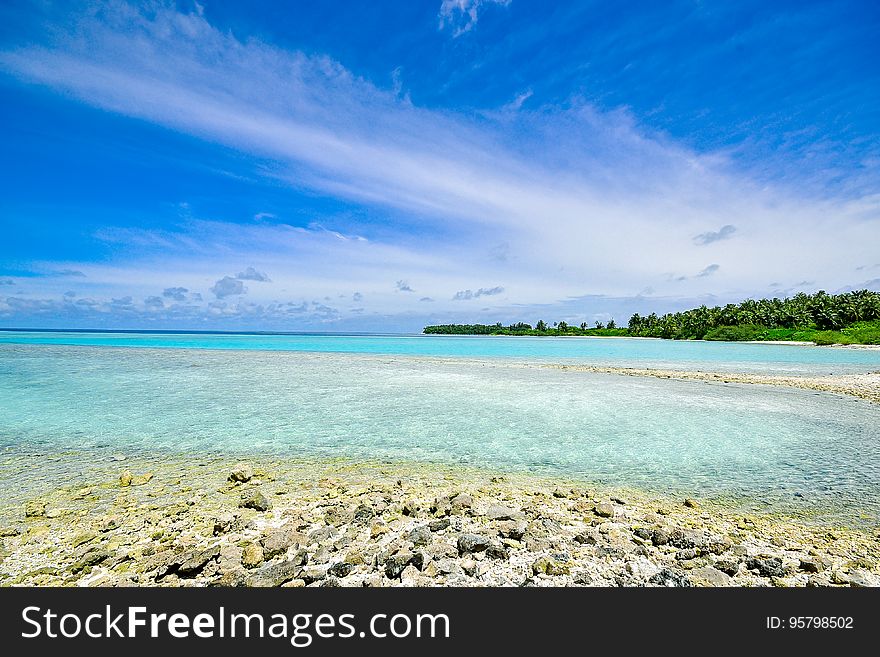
(759, 443)
(634, 352)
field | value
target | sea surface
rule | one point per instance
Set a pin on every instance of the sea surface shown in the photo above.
(67, 399)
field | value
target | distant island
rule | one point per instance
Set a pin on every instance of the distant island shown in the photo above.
(822, 318)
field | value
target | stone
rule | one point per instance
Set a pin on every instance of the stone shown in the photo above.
(550, 566)
(125, 479)
(469, 567)
(512, 529)
(294, 584)
(604, 510)
(90, 558)
(670, 578)
(587, 537)
(363, 514)
(140, 480)
(34, 509)
(278, 541)
(767, 566)
(241, 473)
(660, 536)
(395, 564)
(498, 512)
(643, 533)
(811, 565)
(438, 525)
(687, 538)
(497, 552)
(420, 536)
(708, 576)
(560, 494)
(82, 538)
(378, 528)
(272, 574)
(727, 566)
(196, 561)
(431, 570)
(255, 500)
(223, 523)
(410, 508)
(252, 555)
(340, 569)
(410, 576)
(691, 503)
(468, 543)
(861, 578)
(6, 532)
(461, 503)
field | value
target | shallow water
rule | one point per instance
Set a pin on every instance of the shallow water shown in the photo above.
(633, 352)
(762, 443)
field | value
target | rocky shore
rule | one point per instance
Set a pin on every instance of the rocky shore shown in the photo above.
(214, 522)
(863, 386)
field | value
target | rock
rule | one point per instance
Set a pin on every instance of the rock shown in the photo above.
(670, 578)
(497, 552)
(691, 503)
(279, 540)
(255, 500)
(811, 565)
(410, 508)
(395, 564)
(708, 576)
(34, 509)
(125, 479)
(728, 566)
(468, 543)
(252, 555)
(90, 558)
(461, 502)
(550, 566)
(336, 516)
(767, 566)
(687, 538)
(643, 533)
(560, 494)
(660, 536)
(140, 480)
(340, 569)
(272, 574)
(241, 473)
(587, 537)
(223, 523)
(378, 528)
(420, 536)
(469, 566)
(363, 514)
(196, 561)
(301, 558)
(6, 532)
(498, 512)
(82, 538)
(604, 510)
(512, 529)
(431, 570)
(861, 578)
(295, 583)
(410, 576)
(438, 525)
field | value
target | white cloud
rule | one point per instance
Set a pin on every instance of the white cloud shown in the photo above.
(461, 16)
(566, 201)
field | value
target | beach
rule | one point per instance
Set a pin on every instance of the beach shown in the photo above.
(217, 522)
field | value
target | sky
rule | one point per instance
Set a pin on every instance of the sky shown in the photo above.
(352, 166)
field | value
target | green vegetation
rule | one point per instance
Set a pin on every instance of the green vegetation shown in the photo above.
(849, 318)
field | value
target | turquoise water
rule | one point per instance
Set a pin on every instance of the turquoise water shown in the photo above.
(780, 448)
(727, 356)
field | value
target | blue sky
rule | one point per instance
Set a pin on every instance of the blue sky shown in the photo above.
(379, 166)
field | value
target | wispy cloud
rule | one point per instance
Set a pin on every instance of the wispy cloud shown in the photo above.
(544, 198)
(708, 271)
(403, 286)
(723, 233)
(461, 16)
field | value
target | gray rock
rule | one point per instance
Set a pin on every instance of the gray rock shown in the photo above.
(196, 561)
(708, 576)
(498, 512)
(728, 566)
(278, 541)
(223, 523)
(643, 533)
(272, 574)
(811, 565)
(670, 578)
(34, 509)
(395, 564)
(91, 558)
(461, 502)
(512, 529)
(497, 552)
(604, 510)
(420, 536)
(660, 536)
(767, 566)
(255, 500)
(687, 538)
(861, 578)
(363, 514)
(472, 543)
(340, 569)
(587, 537)
(438, 525)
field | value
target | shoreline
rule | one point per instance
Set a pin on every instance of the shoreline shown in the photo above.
(332, 522)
